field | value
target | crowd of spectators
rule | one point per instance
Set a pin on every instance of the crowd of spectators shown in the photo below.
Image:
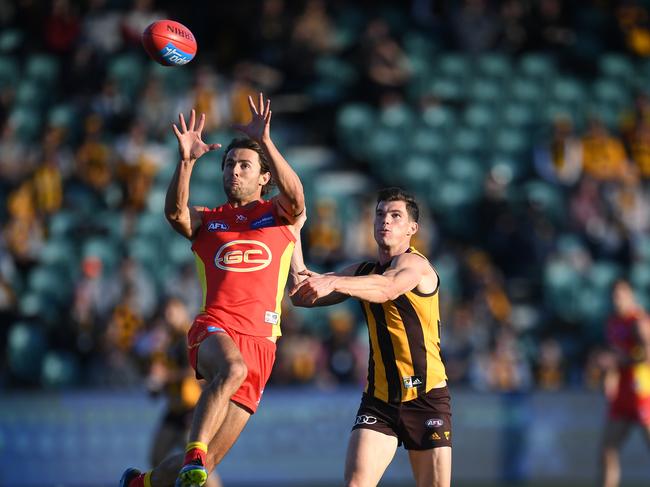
(87, 266)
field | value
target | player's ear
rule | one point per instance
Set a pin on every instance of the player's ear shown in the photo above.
(413, 229)
(265, 177)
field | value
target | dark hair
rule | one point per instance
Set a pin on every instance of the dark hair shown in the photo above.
(398, 194)
(246, 143)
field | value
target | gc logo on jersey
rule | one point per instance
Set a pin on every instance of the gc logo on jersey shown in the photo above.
(243, 256)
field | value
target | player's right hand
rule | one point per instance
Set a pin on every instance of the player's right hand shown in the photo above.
(190, 144)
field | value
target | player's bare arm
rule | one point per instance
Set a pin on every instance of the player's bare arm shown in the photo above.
(290, 203)
(407, 272)
(184, 219)
(298, 273)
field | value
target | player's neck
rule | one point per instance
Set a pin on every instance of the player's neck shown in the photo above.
(242, 203)
(386, 253)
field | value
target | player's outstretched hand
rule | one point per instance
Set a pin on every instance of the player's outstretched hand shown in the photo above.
(260, 125)
(190, 144)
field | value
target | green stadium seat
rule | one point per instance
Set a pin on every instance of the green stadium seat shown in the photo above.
(60, 253)
(480, 117)
(561, 283)
(26, 344)
(494, 66)
(43, 69)
(173, 80)
(26, 122)
(610, 92)
(445, 89)
(29, 95)
(127, 70)
(151, 224)
(453, 66)
(510, 141)
(548, 198)
(640, 277)
(420, 174)
(466, 141)
(59, 369)
(50, 281)
(62, 115)
(537, 66)
(440, 118)
(63, 223)
(103, 248)
(467, 171)
(517, 115)
(336, 70)
(10, 39)
(383, 145)
(397, 117)
(617, 66)
(354, 122)
(9, 72)
(569, 91)
(527, 91)
(602, 274)
(486, 91)
(425, 141)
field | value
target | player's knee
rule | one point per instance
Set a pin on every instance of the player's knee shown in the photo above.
(236, 373)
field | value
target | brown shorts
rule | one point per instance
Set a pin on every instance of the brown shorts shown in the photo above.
(420, 424)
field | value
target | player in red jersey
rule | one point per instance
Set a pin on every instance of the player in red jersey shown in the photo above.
(243, 250)
(627, 378)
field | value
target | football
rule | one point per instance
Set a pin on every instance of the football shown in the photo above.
(169, 43)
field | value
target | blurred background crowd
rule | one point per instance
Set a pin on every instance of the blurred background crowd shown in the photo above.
(522, 126)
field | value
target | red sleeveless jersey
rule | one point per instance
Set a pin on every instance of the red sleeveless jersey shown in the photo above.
(243, 257)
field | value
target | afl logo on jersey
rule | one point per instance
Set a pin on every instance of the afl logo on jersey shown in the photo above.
(243, 256)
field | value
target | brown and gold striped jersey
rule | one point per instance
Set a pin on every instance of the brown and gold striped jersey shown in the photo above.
(404, 336)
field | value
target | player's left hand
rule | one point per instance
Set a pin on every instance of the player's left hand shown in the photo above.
(316, 286)
(260, 125)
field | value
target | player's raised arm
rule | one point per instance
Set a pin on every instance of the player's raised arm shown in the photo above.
(291, 200)
(185, 219)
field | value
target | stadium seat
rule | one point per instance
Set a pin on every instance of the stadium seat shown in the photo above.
(602, 274)
(103, 248)
(26, 344)
(446, 89)
(10, 39)
(440, 118)
(494, 66)
(466, 141)
(26, 122)
(479, 116)
(59, 369)
(517, 115)
(608, 91)
(527, 91)
(50, 281)
(60, 253)
(617, 66)
(511, 141)
(454, 66)
(569, 91)
(9, 72)
(548, 198)
(42, 68)
(537, 66)
(127, 70)
(486, 91)
(398, 117)
(420, 174)
(151, 224)
(426, 141)
(354, 122)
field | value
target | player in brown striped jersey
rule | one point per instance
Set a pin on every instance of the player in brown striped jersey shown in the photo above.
(406, 400)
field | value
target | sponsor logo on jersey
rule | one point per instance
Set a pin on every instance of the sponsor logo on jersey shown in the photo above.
(365, 419)
(412, 381)
(267, 220)
(435, 436)
(271, 317)
(240, 218)
(243, 256)
(434, 423)
(447, 435)
(217, 226)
